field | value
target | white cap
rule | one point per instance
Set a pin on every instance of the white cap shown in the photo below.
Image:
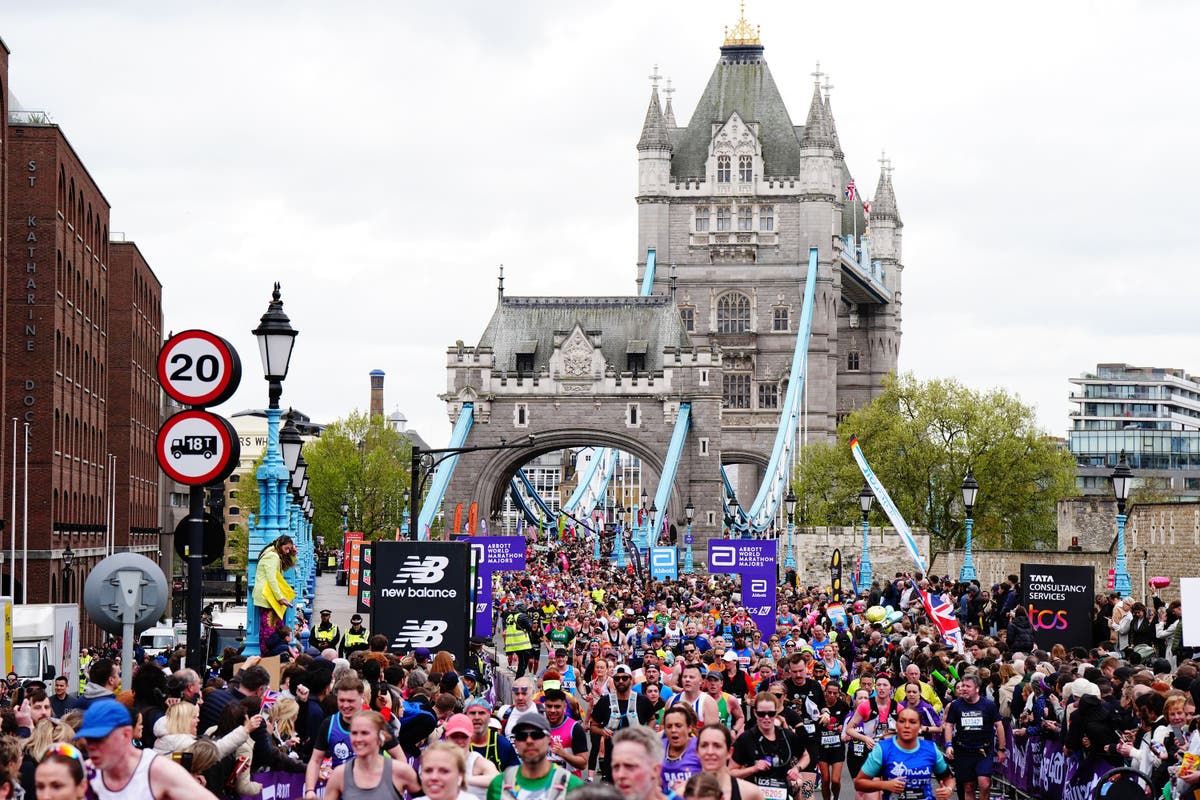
(730, 656)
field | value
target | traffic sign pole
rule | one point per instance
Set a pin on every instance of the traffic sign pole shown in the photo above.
(195, 563)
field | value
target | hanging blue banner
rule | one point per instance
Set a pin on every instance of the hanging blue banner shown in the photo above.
(664, 564)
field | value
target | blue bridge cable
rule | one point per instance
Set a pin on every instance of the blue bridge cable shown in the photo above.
(441, 476)
(662, 496)
(519, 501)
(728, 494)
(550, 514)
(590, 491)
(777, 476)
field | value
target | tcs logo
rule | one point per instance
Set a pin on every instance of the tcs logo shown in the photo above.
(1047, 619)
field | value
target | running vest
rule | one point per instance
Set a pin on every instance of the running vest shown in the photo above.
(339, 742)
(515, 639)
(137, 788)
(675, 770)
(625, 720)
(916, 767)
(562, 735)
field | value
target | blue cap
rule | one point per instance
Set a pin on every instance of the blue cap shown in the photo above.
(102, 718)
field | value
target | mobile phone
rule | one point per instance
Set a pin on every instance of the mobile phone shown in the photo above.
(183, 759)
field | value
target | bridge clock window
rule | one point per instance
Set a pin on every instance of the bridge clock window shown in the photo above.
(723, 218)
(779, 321)
(852, 361)
(735, 390)
(766, 218)
(733, 313)
(745, 218)
(723, 169)
(701, 219)
(745, 168)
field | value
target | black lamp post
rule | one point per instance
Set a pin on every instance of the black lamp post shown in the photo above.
(733, 514)
(689, 513)
(970, 488)
(276, 336)
(1122, 482)
(68, 574)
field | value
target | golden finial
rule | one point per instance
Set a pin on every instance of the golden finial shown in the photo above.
(743, 33)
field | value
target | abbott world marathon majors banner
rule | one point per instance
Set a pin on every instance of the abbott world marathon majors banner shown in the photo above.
(422, 595)
(1059, 602)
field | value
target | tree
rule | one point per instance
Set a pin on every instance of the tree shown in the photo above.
(920, 437)
(364, 462)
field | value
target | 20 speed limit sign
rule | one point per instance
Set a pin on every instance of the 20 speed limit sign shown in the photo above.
(198, 368)
(197, 448)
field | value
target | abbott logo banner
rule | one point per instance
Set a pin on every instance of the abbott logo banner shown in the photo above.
(755, 561)
(422, 595)
(663, 563)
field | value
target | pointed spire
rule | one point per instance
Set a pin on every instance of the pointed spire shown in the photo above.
(654, 129)
(817, 128)
(837, 143)
(884, 205)
(668, 112)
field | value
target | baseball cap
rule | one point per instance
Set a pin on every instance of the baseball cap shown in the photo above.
(102, 718)
(470, 673)
(622, 669)
(532, 721)
(712, 673)
(729, 656)
(422, 654)
(459, 723)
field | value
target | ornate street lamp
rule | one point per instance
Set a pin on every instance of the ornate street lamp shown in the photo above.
(970, 488)
(789, 505)
(276, 338)
(865, 574)
(345, 517)
(651, 539)
(68, 574)
(1122, 482)
(689, 512)
(733, 515)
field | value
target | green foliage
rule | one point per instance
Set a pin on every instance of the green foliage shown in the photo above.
(364, 462)
(920, 437)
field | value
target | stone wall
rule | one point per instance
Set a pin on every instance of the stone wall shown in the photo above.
(814, 548)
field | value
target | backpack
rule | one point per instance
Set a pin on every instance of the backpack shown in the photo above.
(558, 784)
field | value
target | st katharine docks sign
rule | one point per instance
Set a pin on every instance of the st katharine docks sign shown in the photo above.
(422, 595)
(1059, 603)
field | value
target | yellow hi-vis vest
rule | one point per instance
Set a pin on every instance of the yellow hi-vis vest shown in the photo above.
(515, 639)
(355, 639)
(325, 637)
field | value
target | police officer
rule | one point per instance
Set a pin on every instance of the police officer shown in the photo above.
(355, 638)
(326, 634)
(517, 642)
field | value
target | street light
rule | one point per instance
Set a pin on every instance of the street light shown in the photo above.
(689, 512)
(789, 504)
(290, 443)
(276, 337)
(865, 574)
(970, 488)
(733, 514)
(651, 535)
(1122, 482)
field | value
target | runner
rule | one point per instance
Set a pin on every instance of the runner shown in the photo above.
(906, 767)
(773, 757)
(972, 728)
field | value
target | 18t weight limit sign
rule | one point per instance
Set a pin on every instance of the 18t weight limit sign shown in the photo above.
(198, 368)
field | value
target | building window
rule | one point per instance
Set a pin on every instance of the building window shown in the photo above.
(745, 218)
(701, 219)
(766, 218)
(704, 377)
(521, 415)
(723, 219)
(687, 315)
(768, 395)
(704, 445)
(524, 364)
(735, 391)
(723, 169)
(632, 417)
(852, 361)
(635, 362)
(780, 320)
(733, 313)
(745, 168)
(841, 417)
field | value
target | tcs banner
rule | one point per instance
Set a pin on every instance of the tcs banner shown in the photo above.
(1059, 603)
(422, 595)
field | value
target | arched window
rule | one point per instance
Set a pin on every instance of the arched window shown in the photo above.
(723, 169)
(745, 168)
(733, 313)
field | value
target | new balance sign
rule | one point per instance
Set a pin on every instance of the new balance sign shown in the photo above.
(422, 595)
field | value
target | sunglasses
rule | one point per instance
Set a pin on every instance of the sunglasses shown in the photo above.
(519, 690)
(764, 714)
(65, 749)
(537, 734)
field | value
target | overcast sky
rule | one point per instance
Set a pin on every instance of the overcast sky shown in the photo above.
(382, 162)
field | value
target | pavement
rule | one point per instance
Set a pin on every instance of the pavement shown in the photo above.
(336, 599)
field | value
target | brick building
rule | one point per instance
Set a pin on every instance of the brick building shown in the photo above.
(5, 444)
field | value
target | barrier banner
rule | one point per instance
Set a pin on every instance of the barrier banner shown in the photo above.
(664, 564)
(492, 554)
(365, 570)
(347, 538)
(1042, 768)
(422, 595)
(1059, 603)
(835, 576)
(755, 561)
(355, 565)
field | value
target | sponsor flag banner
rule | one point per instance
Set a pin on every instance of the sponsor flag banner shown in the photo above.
(663, 563)
(1059, 602)
(350, 536)
(755, 561)
(472, 518)
(422, 596)
(355, 566)
(366, 572)
(835, 576)
(492, 554)
(458, 518)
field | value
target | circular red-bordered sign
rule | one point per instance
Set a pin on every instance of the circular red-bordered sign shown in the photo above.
(197, 448)
(199, 368)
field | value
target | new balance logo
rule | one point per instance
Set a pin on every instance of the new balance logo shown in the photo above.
(418, 569)
(414, 633)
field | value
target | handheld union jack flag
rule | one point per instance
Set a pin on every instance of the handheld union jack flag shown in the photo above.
(941, 612)
(269, 699)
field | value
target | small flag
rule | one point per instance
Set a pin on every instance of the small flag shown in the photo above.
(866, 208)
(458, 518)
(269, 699)
(851, 191)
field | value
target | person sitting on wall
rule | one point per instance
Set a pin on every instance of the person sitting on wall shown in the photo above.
(272, 593)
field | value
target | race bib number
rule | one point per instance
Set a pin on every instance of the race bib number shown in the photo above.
(830, 740)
